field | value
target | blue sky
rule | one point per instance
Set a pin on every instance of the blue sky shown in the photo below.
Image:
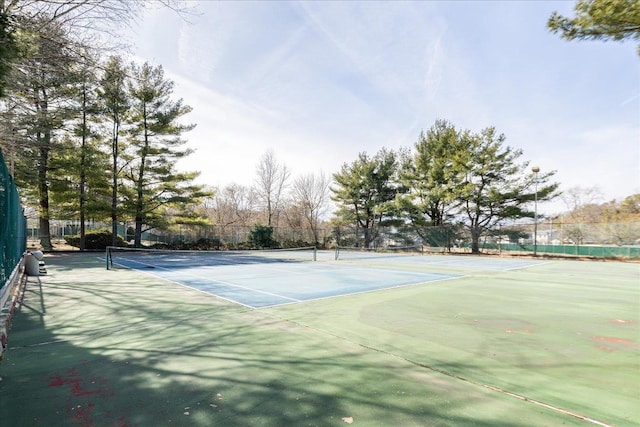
(320, 82)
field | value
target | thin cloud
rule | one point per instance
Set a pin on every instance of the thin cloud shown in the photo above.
(630, 100)
(319, 82)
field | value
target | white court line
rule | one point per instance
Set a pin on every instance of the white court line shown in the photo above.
(235, 285)
(527, 266)
(294, 300)
(394, 270)
(262, 267)
(367, 291)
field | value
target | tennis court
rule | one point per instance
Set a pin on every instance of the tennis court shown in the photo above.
(440, 340)
(460, 262)
(259, 279)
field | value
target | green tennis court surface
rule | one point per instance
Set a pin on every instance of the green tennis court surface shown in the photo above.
(551, 344)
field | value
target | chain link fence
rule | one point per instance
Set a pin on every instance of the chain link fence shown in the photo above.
(229, 236)
(554, 237)
(12, 224)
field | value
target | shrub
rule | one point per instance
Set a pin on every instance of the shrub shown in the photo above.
(202, 244)
(98, 239)
(207, 244)
(261, 236)
(291, 243)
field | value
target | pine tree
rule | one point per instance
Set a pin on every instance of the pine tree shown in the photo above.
(155, 144)
(364, 191)
(494, 185)
(39, 88)
(79, 168)
(115, 105)
(429, 177)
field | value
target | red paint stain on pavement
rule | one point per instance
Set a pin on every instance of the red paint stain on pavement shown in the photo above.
(83, 416)
(611, 344)
(56, 381)
(614, 340)
(75, 390)
(75, 381)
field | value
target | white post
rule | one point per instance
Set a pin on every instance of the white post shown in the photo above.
(535, 170)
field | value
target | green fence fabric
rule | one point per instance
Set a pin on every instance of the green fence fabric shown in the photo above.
(597, 251)
(12, 224)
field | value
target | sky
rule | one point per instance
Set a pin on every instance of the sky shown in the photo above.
(319, 82)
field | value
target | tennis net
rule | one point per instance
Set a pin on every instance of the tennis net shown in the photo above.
(174, 259)
(351, 253)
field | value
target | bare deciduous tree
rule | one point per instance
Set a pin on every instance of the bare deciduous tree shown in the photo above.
(233, 205)
(311, 194)
(230, 210)
(270, 184)
(242, 201)
(104, 16)
(89, 25)
(577, 197)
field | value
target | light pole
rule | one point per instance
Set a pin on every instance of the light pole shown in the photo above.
(535, 170)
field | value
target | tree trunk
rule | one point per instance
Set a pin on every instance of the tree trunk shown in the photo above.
(45, 231)
(367, 237)
(139, 215)
(314, 231)
(475, 241)
(137, 239)
(83, 173)
(114, 189)
(45, 234)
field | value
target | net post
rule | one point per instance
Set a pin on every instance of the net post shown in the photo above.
(108, 256)
(315, 253)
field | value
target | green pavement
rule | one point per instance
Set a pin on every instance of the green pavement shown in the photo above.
(91, 347)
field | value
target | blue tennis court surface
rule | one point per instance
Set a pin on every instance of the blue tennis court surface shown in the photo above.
(265, 280)
(265, 285)
(258, 282)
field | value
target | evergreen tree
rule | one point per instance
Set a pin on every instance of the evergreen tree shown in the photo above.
(429, 178)
(9, 46)
(115, 104)
(155, 144)
(39, 88)
(365, 191)
(79, 169)
(600, 20)
(494, 186)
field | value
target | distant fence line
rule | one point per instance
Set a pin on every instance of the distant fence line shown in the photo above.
(595, 251)
(552, 237)
(231, 235)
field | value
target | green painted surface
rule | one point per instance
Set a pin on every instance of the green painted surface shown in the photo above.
(564, 333)
(91, 347)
